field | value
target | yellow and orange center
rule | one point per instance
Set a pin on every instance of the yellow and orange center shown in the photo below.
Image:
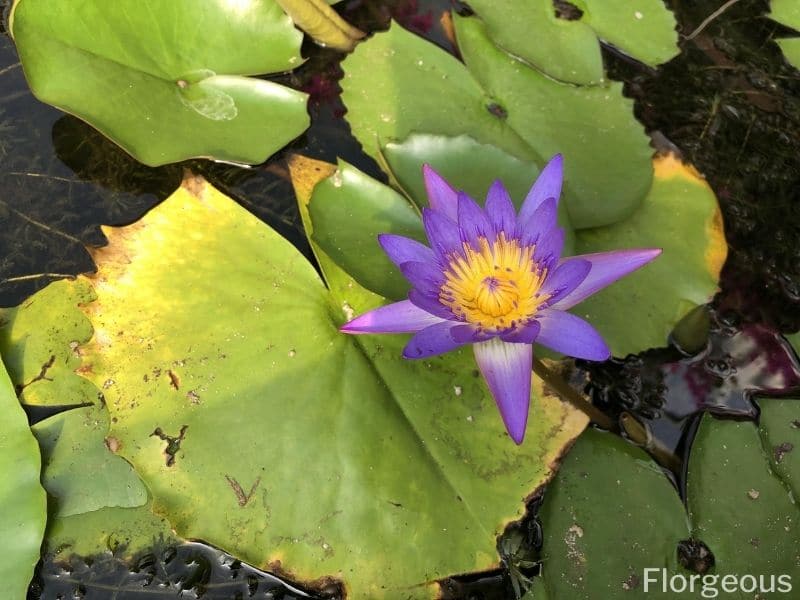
(495, 286)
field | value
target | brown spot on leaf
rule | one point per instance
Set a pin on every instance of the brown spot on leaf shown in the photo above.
(173, 443)
(241, 497)
(174, 379)
(782, 450)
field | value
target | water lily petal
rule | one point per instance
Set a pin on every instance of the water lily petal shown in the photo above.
(433, 340)
(400, 317)
(507, 370)
(549, 247)
(543, 220)
(430, 303)
(441, 195)
(472, 221)
(522, 335)
(500, 209)
(607, 267)
(425, 277)
(564, 279)
(547, 185)
(565, 333)
(401, 249)
(443, 233)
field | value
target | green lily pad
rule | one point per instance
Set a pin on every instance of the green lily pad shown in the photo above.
(397, 84)
(167, 80)
(739, 506)
(569, 50)
(780, 434)
(407, 472)
(23, 502)
(40, 342)
(680, 215)
(352, 209)
(468, 166)
(610, 513)
(787, 12)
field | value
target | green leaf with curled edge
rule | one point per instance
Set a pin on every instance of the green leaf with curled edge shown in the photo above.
(23, 504)
(40, 341)
(397, 84)
(167, 81)
(787, 12)
(569, 49)
(408, 474)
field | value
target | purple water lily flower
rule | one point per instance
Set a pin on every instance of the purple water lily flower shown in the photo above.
(495, 279)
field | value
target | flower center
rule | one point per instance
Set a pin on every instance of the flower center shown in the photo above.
(496, 286)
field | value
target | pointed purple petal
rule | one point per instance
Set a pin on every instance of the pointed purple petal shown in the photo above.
(548, 249)
(548, 185)
(425, 277)
(564, 332)
(507, 370)
(500, 210)
(442, 232)
(522, 335)
(400, 317)
(401, 249)
(431, 304)
(441, 195)
(607, 267)
(540, 223)
(433, 340)
(472, 221)
(566, 277)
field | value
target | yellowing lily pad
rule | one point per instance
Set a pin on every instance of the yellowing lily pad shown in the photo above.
(261, 429)
(167, 81)
(680, 215)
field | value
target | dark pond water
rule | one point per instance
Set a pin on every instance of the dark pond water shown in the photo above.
(728, 103)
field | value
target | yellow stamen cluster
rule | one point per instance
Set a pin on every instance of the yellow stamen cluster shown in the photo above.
(495, 286)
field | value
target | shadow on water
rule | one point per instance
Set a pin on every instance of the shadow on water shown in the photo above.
(728, 103)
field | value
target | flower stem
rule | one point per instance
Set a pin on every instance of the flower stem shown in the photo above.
(568, 393)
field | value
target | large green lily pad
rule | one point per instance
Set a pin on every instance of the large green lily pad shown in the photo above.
(610, 512)
(40, 340)
(397, 84)
(569, 50)
(261, 429)
(167, 80)
(787, 12)
(22, 500)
